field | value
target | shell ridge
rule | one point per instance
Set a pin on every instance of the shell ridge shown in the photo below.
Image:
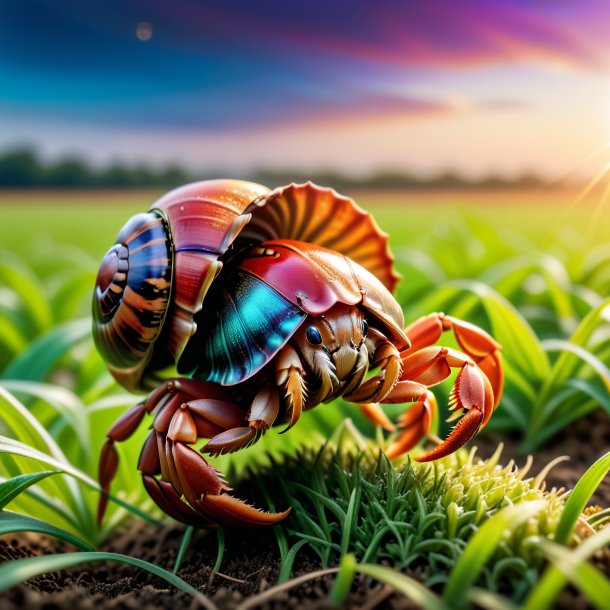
(293, 212)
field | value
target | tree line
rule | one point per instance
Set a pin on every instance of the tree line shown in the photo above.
(23, 168)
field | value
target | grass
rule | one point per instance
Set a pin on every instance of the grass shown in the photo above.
(539, 287)
(347, 498)
(461, 525)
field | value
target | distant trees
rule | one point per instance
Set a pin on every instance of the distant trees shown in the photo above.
(22, 168)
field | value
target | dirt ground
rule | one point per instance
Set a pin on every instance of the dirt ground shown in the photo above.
(251, 559)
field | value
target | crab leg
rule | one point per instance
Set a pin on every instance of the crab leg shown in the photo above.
(189, 488)
(472, 396)
(165, 400)
(162, 492)
(192, 477)
(386, 356)
(289, 374)
(474, 341)
(263, 412)
(375, 413)
(121, 430)
(414, 423)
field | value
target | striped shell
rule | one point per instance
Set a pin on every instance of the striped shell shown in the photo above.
(131, 296)
(202, 224)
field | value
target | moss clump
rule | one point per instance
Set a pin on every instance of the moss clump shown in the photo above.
(349, 498)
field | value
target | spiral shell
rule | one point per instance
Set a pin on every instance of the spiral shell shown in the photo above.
(131, 296)
(203, 224)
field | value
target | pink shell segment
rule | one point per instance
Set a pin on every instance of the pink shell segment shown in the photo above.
(204, 218)
(336, 279)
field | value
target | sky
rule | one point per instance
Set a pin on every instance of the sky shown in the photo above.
(474, 87)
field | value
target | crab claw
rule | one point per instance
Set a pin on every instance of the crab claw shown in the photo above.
(229, 510)
(471, 396)
(207, 493)
(414, 424)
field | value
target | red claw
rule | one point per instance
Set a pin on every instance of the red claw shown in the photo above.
(464, 430)
(471, 395)
(474, 396)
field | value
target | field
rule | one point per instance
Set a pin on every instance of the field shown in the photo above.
(550, 214)
(532, 268)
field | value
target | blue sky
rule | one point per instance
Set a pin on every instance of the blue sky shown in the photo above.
(475, 86)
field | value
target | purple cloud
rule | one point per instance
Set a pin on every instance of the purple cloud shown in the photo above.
(213, 64)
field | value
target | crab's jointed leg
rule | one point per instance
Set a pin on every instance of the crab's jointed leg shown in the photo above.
(385, 356)
(289, 374)
(265, 407)
(474, 341)
(475, 394)
(263, 412)
(477, 389)
(189, 488)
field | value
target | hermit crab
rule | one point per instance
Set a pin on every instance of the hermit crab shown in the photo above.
(239, 308)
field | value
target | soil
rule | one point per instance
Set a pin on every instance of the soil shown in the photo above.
(251, 559)
(250, 566)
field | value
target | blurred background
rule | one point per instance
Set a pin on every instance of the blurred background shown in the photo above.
(392, 94)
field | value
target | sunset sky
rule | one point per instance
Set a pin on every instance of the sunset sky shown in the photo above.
(474, 86)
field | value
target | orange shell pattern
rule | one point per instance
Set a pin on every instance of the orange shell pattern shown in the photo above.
(317, 215)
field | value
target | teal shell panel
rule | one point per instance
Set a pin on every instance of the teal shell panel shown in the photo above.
(250, 324)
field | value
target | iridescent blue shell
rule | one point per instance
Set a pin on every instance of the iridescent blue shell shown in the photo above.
(247, 323)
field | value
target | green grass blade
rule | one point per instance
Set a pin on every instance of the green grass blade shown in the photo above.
(589, 580)
(519, 343)
(14, 572)
(12, 340)
(220, 543)
(509, 276)
(66, 403)
(579, 497)
(288, 562)
(351, 517)
(44, 504)
(557, 345)
(411, 588)
(11, 522)
(32, 436)
(567, 364)
(42, 355)
(489, 601)
(482, 545)
(543, 596)
(343, 581)
(34, 311)
(11, 488)
(184, 545)
(70, 294)
(27, 428)
(13, 447)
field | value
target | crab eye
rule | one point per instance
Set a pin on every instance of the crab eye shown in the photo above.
(313, 335)
(365, 328)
